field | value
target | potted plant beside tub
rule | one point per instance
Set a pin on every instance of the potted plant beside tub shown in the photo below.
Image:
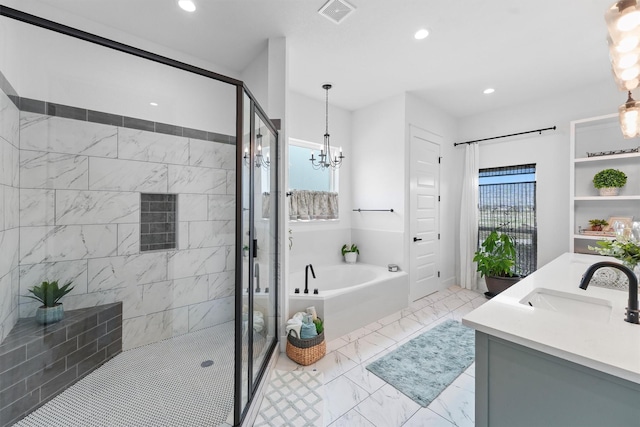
(496, 259)
(609, 181)
(350, 253)
(48, 293)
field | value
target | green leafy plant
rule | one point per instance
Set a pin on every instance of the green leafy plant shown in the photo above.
(608, 178)
(319, 325)
(496, 256)
(352, 248)
(48, 293)
(620, 248)
(597, 224)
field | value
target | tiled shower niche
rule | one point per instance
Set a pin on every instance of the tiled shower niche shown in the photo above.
(157, 221)
(80, 205)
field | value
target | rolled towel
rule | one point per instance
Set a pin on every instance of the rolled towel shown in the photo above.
(295, 328)
(308, 330)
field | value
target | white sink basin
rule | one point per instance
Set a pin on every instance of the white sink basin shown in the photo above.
(583, 307)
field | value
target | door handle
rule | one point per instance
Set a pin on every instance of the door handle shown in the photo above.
(415, 239)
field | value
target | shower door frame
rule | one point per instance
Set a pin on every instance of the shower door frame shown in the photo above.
(239, 412)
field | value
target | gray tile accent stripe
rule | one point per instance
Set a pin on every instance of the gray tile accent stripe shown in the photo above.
(75, 113)
(6, 87)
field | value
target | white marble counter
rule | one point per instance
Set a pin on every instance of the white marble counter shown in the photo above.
(611, 346)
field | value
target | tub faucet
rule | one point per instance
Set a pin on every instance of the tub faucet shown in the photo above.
(632, 309)
(306, 277)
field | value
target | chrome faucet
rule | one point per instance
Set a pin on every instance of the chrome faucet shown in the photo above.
(632, 309)
(306, 277)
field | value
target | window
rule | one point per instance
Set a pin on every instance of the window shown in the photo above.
(313, 193)
(507, 201)
(302, 175)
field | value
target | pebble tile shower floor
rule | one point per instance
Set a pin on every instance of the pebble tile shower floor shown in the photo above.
(158, 385)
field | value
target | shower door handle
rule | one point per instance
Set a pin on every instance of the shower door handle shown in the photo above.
(416, 239)
(255, 248)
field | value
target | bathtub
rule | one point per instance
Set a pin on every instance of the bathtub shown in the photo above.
(350, 296)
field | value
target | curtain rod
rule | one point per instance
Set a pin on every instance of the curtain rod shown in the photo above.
(504, 136)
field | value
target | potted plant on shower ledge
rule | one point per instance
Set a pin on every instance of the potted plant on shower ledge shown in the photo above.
(48, 293)
(350, 253)
(496, 259)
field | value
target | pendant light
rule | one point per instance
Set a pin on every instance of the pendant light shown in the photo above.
(630, 117)
(326, 159)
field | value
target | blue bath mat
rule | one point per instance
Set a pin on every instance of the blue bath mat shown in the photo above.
(426, 365)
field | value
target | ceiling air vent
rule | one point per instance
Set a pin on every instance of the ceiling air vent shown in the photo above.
(336, 11)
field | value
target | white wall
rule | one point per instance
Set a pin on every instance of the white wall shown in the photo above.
(319, 242)
(255, 76)
(378, 178)
(550, 151)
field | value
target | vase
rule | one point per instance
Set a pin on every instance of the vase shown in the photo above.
(609, 191)
(350, 257)
(47, 315)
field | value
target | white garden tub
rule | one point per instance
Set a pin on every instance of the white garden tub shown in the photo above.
(350, 296)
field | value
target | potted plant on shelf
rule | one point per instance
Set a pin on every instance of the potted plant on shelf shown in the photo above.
(609, 181)
(598, 224)
(350, 253)
(496, 259)
(48, 293)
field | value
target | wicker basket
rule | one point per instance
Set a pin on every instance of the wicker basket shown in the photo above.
(306, 351)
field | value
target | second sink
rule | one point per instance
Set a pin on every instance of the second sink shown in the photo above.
(580, 306)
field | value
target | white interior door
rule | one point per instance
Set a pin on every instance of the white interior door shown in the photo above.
(424, 214)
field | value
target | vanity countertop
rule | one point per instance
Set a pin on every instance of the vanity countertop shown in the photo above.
(611, 345)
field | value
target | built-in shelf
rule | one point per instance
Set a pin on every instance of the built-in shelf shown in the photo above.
(605, 198)
(590, 237)
(602, 158)
(597, 135)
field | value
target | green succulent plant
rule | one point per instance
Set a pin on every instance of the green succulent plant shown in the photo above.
(352, 248)
(608, 178)
(48, 293)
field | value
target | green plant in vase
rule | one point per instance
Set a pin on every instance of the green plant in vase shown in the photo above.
(609, 181)
(49, 294)
(496, 259)
(350, 253)
(598, 224)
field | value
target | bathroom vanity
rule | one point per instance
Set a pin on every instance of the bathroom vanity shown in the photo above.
(551, 354)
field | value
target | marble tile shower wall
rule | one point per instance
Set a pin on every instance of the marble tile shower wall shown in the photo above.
(80, 220)
(9, 207)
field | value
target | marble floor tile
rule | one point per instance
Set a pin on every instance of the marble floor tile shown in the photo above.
(400, 329)
(471, 370)
(450, 303)
(335, 344)
(427, 418)
(387, 407)
(333, 365)
(457, 402)
(391, 318)
(341, 395)
(286, 364)
(426, 315)
(366, 347)
(374, 326)
(364, 378)
(352, 418)
(354, 335)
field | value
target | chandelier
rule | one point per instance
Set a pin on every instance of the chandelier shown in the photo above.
(623, 25)
(260, 160)
(325, 160)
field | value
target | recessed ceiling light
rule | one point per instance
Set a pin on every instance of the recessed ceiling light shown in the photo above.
(421, 34)
(187, 5)
(488, 90)
(153, 104)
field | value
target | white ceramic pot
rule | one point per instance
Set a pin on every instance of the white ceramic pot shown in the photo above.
(351, 257)
(609, 191)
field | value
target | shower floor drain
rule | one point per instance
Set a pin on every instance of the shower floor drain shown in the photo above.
(207, 363)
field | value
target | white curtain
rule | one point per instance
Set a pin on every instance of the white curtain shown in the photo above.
(469, 218)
